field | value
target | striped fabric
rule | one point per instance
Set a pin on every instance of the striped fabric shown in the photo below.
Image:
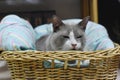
(97, 38)
(15, 33)
(43, 30)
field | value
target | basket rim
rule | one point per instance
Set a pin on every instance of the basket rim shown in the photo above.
(60, 55)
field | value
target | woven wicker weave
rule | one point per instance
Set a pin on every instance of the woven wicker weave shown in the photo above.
(28, 65)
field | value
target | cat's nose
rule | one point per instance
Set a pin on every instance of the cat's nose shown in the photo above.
(74, 45)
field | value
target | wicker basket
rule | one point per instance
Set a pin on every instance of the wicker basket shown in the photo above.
(28, 65)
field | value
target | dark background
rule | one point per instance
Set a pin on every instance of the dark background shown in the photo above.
(109, 16)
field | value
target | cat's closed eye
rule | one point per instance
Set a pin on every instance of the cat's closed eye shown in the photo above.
(67, 37)
(79, 36)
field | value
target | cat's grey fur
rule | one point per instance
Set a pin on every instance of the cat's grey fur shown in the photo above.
(56, 40)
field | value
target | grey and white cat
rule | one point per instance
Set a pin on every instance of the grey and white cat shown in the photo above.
(64, 37)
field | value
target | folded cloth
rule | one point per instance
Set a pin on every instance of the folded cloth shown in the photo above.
(15, 32)
(43, 30)
(97, 38)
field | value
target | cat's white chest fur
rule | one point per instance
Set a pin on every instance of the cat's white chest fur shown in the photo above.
(71, 43)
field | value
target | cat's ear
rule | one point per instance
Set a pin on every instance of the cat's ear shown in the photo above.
(84, 22)
(57, 23)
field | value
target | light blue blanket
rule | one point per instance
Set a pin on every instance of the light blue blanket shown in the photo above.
(16, 33)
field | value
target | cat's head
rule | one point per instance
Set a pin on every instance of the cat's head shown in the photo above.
(68, 37)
